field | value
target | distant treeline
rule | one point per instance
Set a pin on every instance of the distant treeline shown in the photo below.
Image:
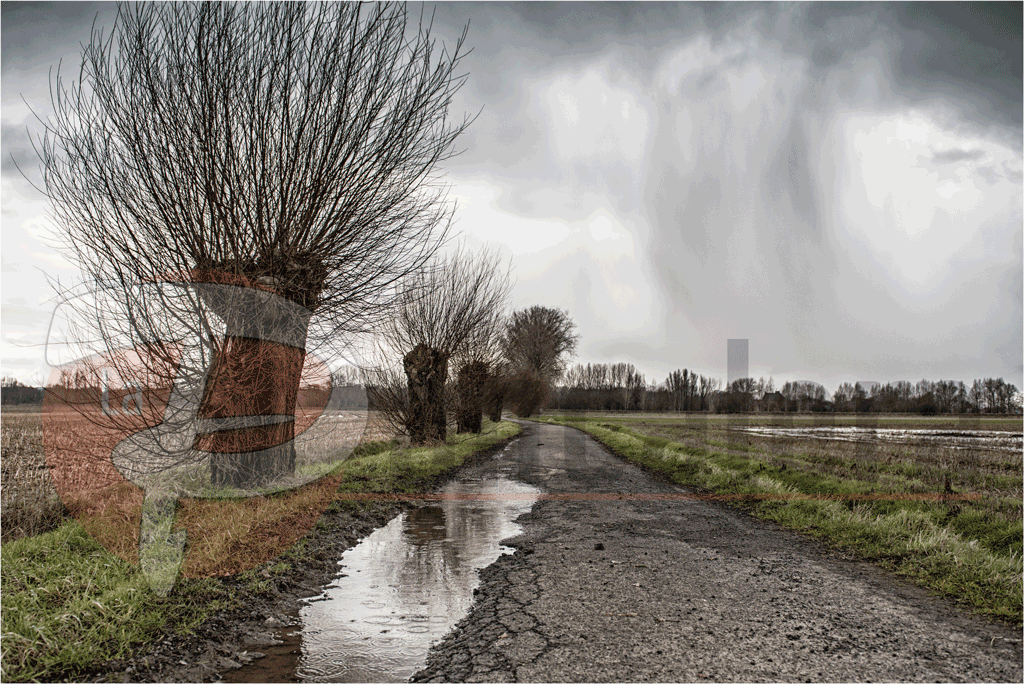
(990, 395)
(81, 393)
(621, 387)
(13, 392)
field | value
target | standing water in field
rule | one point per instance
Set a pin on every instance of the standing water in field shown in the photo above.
(988, 440)
(402, 588)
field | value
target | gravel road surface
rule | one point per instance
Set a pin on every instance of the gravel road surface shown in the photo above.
(614, 579)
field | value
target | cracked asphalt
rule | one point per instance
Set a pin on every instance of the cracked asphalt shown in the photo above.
(615, 579)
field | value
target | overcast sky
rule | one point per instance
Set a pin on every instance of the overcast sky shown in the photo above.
(839, 184)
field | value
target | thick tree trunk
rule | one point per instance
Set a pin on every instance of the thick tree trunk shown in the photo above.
(497, 387)
(471, 385)
(258, 380)
(252, 386)
(426, 370)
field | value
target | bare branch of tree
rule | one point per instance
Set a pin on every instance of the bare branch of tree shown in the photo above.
(289, 149)
(442, 314)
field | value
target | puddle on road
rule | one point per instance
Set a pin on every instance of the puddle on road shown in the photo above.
(405, 587)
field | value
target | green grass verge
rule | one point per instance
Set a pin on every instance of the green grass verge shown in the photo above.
(68, 605)
(385, 469)
(949, 547)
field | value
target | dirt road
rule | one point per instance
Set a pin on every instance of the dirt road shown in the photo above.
(616, 580)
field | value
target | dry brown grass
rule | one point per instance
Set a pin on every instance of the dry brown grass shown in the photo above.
(224, 535)
(30, 504)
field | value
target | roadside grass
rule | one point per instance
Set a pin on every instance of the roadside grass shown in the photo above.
(69, 605)
(888, 503)
(384, 470)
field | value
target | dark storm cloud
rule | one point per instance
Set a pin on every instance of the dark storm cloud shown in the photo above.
(968, 51)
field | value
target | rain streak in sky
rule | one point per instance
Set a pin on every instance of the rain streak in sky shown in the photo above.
(838, 183)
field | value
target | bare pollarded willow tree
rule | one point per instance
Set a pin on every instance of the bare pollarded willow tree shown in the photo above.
(275, 162)
(451, 310)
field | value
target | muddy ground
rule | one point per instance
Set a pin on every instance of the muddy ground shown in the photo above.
(620, 576)
(233, 638)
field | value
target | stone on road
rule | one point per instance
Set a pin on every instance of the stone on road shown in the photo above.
(616, 579)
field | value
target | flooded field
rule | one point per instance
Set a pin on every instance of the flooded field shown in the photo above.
(400, 590)
(993, 440)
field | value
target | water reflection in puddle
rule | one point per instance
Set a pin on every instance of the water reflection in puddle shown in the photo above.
(408, 583)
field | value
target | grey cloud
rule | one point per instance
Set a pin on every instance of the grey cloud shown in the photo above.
(1013, 173)
(992, 173)
(43, 25)
(970, 52)
(16, 146)
(956, 155)
(1000, 342)
(833, 32)
(25, 368)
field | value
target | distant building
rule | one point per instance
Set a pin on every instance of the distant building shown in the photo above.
(772, 402)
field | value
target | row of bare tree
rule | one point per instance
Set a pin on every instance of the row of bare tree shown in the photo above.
(461, 356)
(13, 391)
(619, 386)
